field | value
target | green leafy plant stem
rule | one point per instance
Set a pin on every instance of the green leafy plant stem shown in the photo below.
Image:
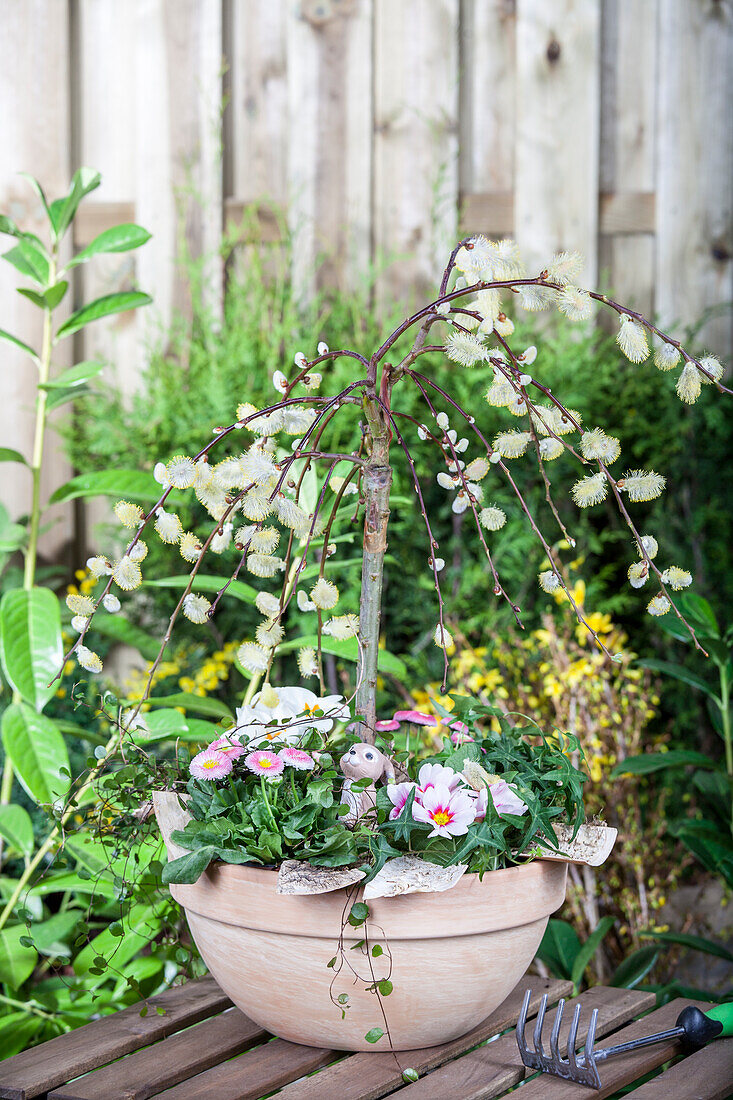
(39, 437)
(263, 784)
(727, 732)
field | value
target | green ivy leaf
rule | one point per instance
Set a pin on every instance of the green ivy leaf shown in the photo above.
(37, 751)
(374, 1035)
(188, 868)
(30, 643)
(102, 307)
(121, 238)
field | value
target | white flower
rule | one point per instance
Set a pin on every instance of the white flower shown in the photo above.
(575, 303)
(264, 540)
(111, 603)
(245, 410)
(658, 605)
(342, 626)
(264, 565)
(323, 348)
(422, 433)
(650, 546)
(295, 709)
(98, 567)
(512, 444)
(80, 605)
(676, 578)
(631, 338)
(324, 594)
(477, 469)
(528, 356)
(307, 662)
(464, 348)
(256, 505)
(689, 384)
(562, 424)
(279, 381)
(138, 552)
(196, 608)
(713, 367)
(181, 472)
(460, 446)
(296, 419)
(590, 490)
(304, 604)
(289, 513)
(87, 659)
(518, 405)
(269, 634)
(535, 298)
(595, 444)
(666, 356)
(642, 484)
(126, 574)
(563, 266)
(168, 526)
(300, 360)
(489, 305)
(549, 581)
(504, 325)
(252, 657)
(500, 393)
(492, 518)
(312, 380)
(129, 515)
(525, 380)
(442, 421)
(160, 473)
(446, 481)
(256, 467)
(267, 604)
(222, 540)
(437, 563)
(638, 574)
(551, 448)
(442, 637)
(79, 623)
(190, 547)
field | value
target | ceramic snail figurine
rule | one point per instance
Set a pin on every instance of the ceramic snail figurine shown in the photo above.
(363, 761)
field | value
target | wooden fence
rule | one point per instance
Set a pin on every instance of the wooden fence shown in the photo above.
(379, 126)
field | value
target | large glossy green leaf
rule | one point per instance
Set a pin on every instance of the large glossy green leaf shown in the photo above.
(75, 375)
(55, 294)
(37, 752)
(50, 937)
(695, 943)
(169, 725)
(17, 828)
(589, 948)
(679, 672)
(559, 948)
(63, 395)
(62, 211)
(16, 961)
(16, 1031)
(199, 704)
(30, 642)
(121, 238)
(7, 454)
(650, 762)
(9, 227)
(635, 967)
(29, 259)
(205, 583)
(103, 307)
(128, 484)
(348, 650)
(18, 343)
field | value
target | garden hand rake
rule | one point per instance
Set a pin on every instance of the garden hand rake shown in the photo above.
(693, 1027)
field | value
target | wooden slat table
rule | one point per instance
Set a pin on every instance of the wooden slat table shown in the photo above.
(201, 1047)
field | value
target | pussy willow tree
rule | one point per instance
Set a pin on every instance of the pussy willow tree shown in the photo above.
(255, 494)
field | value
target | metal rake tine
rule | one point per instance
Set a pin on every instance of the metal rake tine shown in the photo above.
(555, 1036)
(522, 1023)
(538, 1027)
(589, 1060)
(573, 1035)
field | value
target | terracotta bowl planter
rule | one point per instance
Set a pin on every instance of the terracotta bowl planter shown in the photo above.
(455, 955)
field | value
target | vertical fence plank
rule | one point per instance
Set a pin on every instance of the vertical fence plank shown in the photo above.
(488, 87)
(556, 189)
(329, 51)
(34, 106)
(695, 151)
(416, 139)
(628, 106)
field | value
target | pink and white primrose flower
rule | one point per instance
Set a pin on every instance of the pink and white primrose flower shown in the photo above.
(265, 763)
(398, 793)
(210, 764)
(297, 758)
(449, 812)
(231, 748)
(505, 800)
(432, 775)
(460, 733)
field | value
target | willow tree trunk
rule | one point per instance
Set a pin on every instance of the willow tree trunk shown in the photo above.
(376, 486)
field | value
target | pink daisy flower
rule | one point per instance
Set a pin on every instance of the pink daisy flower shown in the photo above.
(230, 748)
(398, 793)
(210, 764)
(449, 812)
(265, 763)
(386, 725)
(297, 758)
(416, 717)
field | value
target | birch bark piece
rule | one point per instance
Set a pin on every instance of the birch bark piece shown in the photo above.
(171, 816)
(297, 877)
(592, 845)
(411, 875)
